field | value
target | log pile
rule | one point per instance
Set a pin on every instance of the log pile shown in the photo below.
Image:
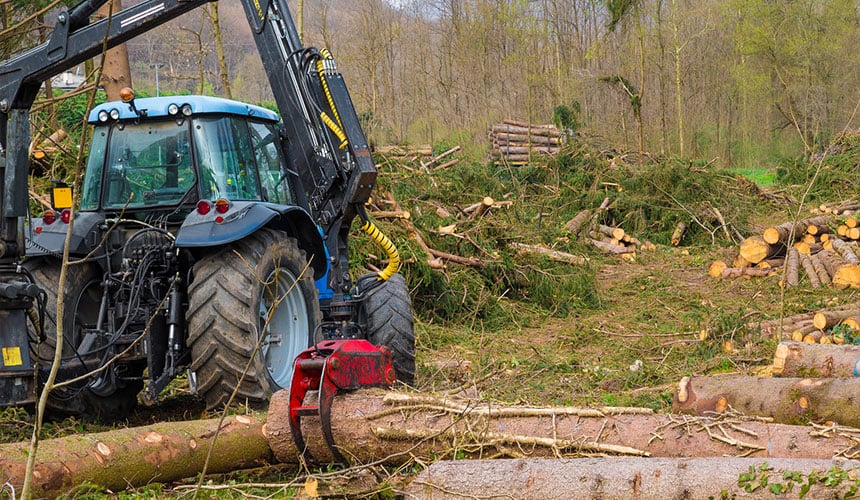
(834, 325)
(824, 249)
(518, 143)
(612, 240)
(846, 208)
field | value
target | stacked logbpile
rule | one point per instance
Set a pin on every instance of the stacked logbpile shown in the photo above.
(518, 143)
(846, 208)
(608, 239)
(824, 247)
(838, 325)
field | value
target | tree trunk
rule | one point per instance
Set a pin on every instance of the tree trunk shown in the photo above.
(797, 359)
(786, 400)
(574, 225)
(792, 268)
(828, 319)
(116, 73)
(628, 478)
(391, 428)
(806, 263)
(136, 456)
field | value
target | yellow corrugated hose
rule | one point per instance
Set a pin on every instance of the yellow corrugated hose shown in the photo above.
(393, 255)
(335, 125)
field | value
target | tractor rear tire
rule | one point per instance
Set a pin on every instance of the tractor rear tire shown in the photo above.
(387, 312)
(82, 297)
(233, 292)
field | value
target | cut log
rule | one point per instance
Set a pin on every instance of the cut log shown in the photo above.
(812, 337)
(754, 249)
(845, 250)
(574, 225)
(549, 253)
(792, 268)
(847, 276)
(716, 268)
(824, 320)
(785, 400)
(612, 248)
(391, 428)
(789, 232)
(136, 456)
(820, 270)
(809, 269)
(678, 234)
(479, 209)
(747, 272)
(615, 233)
(630, 478)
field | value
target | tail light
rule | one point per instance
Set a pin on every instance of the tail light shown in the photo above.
(49, 217)
(66, 215)
(204, 207)
(222, 205)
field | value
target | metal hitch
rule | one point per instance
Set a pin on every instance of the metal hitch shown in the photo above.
(328, 367)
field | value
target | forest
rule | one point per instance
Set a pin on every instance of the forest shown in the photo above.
(741, 82)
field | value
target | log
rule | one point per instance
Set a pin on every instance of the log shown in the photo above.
(716, 268)
(809, 269)
(678, 234)
(824, 320)
(630, 478)
(785, 233)
(549, 253)
(792, 268)
(504, 138)
(478, 209)
(574, 225)
(136, 456)
(747, 272)
(785, 400)
(611, 248)
(796, 359)
(820, 270)
(754, 249)
(391, 428)
(845, 250)
(615, 233)
(847, 276)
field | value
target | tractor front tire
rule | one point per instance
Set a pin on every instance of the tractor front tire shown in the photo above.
(387, 312)
(253, 308)
(82, 297)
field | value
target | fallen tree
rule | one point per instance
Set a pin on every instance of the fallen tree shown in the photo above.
(785, 400)
(375, 426)
(636, 478)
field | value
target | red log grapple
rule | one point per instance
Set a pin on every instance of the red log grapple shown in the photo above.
(328, 367)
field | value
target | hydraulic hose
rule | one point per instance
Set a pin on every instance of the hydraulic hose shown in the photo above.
(393, 255)
(325, 65)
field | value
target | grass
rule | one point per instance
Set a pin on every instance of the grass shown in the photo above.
(761, 176)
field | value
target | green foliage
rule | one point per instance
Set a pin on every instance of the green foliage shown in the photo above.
(764, 478)
(618, 10)
(828, 175)
(567, 117)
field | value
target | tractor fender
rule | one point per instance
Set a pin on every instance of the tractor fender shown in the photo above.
(200, 231)
(49, 239)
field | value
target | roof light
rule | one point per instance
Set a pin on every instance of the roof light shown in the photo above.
(103, 116)
(49, 217)
(204, 207)
(126, 94)
(222, 205)
(186, 109)
(114, 114)
(173, 109)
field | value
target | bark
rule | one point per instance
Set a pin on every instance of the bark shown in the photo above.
(392, 428)
(574, 225)
(796, 359)
(626, 478)
(737, 272)
(503, 138)
(131, 457)
(785, 233)
(785, 400)
(615, 233)
(792, 268)
(844, 249)
(116, 73)
(820, 270)
(809, 269)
